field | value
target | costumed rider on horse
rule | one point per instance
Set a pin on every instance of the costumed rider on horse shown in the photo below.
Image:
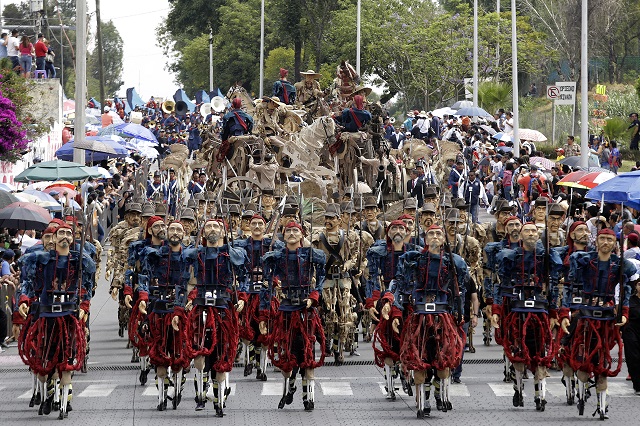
(356, 117)
(283, 89)
(235, 123)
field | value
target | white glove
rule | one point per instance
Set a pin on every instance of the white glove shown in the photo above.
(622, 322)
(82, 315)
(114, 293)
(240, 306)
(127, 301)
(263, 328)
(188, 306)
(564, 325)
(309, 302)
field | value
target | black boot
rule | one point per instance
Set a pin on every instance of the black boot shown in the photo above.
(290, 393)
(262, 376)
(248, 369)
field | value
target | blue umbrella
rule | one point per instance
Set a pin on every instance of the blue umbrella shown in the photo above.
(42, 196)
(624, 188)
(501, 136)
(66, 151)
(473, 112)
(136, 131)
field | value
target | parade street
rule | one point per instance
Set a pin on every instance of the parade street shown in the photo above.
(352, 394)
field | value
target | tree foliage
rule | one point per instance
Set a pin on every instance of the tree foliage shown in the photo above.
(112, 57)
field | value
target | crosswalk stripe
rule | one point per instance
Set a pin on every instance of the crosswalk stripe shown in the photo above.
(336, 388)
(95, 391)
(620, 390)
(556, 389)
(459, 390)
(503, 389)
(272, 388)
(26, 395)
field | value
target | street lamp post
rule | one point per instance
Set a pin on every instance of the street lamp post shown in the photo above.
(261, 49)
(514, 79)
(475, 53)
(358, 39)
(81, 78)
(584, 88)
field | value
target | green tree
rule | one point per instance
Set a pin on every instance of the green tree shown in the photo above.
(236, 49)
(112, 57)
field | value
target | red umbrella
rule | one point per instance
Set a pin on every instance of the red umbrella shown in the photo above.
(61, 189)
(62, 183)
(572, 180)
(593, 179)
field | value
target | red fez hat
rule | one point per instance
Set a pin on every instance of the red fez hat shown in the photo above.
(257, 216)
(406, 216)
(397, 222)
(293, 224)
(509, 219)
(49, 230)
(606, 231)
(236, 103)
(283, 72)
(150, 222)
(434, 226)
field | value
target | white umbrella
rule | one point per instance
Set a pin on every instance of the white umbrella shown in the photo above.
(116, 117)
(531, 135)
(7, 187)
(440, 112)
(462, 104)
(150, 153)
(105, 173)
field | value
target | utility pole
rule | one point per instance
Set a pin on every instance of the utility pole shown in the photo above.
(514, 81)
(584, 88)
(81, 78)
(210, 59)
(45, 20)
(100, 54)
(357, 38)
(475, 53)
(261, 91)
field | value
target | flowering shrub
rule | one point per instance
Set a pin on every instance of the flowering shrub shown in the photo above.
(12, 134)
(17, 126)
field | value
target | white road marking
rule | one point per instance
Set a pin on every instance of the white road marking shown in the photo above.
(95, 391)
(336, 388)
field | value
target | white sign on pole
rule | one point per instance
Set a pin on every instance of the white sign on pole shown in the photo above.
(566, 94)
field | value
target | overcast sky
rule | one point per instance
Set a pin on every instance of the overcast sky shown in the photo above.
(143, 61)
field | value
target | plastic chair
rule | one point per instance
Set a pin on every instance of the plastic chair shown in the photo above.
(40, 74)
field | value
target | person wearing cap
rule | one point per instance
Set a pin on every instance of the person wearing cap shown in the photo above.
(283, 89)
(297, 325)
(428, 216)
(525, 309)
(156, 190)
(218, 268)
(355, 117)
(341, 251)
(435, 279)
(117, 259)
(596, 305)
(56, 343)
(254, 351)
(370, 223)
(383, 259)
(106, 118)
(555, 218)
(188, 220)
(162, 272)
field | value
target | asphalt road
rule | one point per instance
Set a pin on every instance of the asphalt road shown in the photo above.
(351, 394)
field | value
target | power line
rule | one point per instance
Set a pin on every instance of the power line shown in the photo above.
(139, 14)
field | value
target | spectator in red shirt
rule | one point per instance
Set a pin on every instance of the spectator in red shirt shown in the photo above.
(41, 52)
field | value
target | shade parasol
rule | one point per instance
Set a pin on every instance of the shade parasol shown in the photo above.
(136, 131)
(572, 180)
(574, 161)
(541, 161)
(473, 112)
(531, 135)
(501, 136)
(7, 198)
(593, 179)
(24, 216)
(54, 170)
(624, 188)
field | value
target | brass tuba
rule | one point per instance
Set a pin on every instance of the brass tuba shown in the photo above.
(168, 107)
